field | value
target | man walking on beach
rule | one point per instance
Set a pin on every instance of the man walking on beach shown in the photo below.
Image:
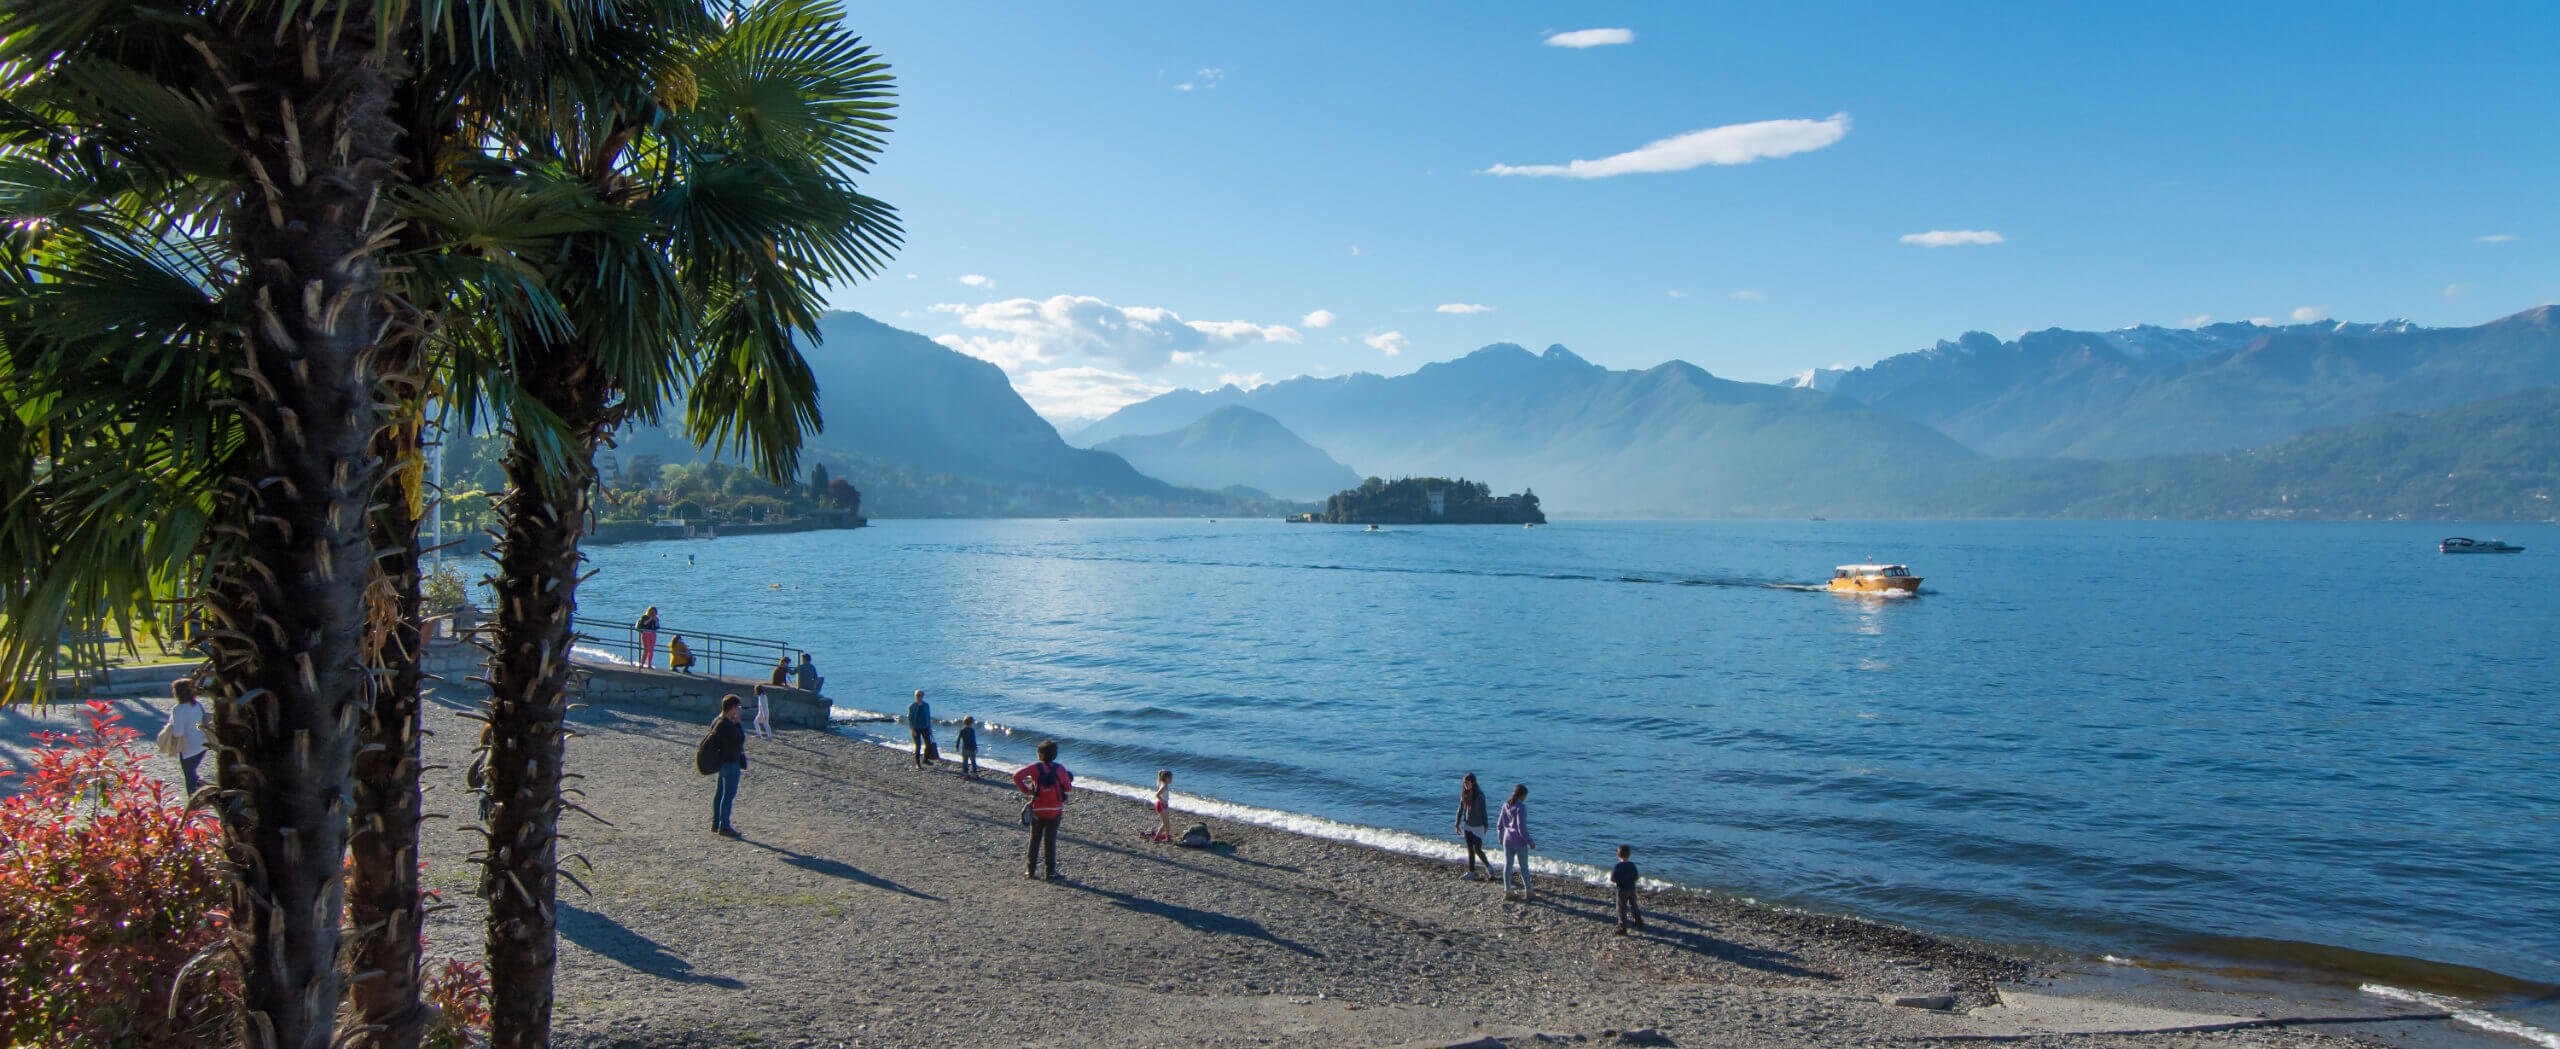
(919, 726)
(1048, 783)
(729, 748)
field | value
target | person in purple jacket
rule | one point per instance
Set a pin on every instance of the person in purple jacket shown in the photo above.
(1513, 830)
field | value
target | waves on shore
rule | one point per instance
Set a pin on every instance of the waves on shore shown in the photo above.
(2467, 1013)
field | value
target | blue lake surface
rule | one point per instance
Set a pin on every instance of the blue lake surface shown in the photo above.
(2161, 738)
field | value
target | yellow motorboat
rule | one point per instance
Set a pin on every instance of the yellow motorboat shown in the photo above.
(1874, 579)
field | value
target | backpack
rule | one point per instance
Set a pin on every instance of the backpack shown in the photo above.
(706, 758)
(1195, 838)
(1039, 781)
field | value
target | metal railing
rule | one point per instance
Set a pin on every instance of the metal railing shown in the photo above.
(723, 655)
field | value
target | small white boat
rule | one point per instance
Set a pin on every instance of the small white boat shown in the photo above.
(2460, 545)
(1373, 528)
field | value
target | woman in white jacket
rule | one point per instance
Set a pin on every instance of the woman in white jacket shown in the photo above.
(186, 721)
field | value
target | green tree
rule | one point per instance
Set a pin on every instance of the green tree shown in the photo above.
(718, 170)
(818, 484)
(208, 179)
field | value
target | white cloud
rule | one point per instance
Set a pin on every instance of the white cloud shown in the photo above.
(1183, 87)
(1245, 381)
(1083, 392)
(911, 276)
(1748, 295)
(1318, 319)
(2197, 321)
(2455, 290)
(1592, 38)
(1387, 342)
(2308, 314)
(2497, 238)
(978, 280)
(1355, 249)
(1462, 307)
(1206, 78)
(1138, 338)
(1939, 238)
(1676, 293)
(1730, 144)
(2263, 322)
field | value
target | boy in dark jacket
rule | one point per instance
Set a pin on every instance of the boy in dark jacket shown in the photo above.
(1624, 875)
(729, 748)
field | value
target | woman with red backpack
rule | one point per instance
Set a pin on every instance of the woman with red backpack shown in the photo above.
(1048, 783)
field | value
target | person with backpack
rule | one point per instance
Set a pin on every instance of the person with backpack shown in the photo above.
(920, 728)
(648, 628)
(183, 737)
(1048, 783)
(724, 753)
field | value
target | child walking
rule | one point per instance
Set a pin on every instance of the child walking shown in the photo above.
(967, 741)
(1164, 814)
(1624, 875)
(764, 714)
(1513, 828)
(1471, 822)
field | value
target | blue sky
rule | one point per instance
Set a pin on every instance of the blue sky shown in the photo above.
(1120, 200)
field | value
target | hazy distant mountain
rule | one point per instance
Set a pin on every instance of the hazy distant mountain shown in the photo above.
(1668, 440)
(2498, 460)
(1236, 445)
(950, 429)
(2149, 390)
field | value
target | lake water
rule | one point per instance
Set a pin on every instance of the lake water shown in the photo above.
(2168, 740)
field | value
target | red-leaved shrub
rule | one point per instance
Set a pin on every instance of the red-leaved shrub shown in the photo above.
(460, 992)
(108, 887)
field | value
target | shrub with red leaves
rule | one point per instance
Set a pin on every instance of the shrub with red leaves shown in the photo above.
(108, 888)
(460, 992)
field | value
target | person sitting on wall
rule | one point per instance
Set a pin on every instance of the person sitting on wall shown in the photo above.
(809, 679)
(679, 655)
(781, 672)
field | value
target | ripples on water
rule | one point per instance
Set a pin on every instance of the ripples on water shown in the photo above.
(2111, 736)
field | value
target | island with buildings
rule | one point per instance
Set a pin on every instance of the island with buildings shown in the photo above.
(1428, 500)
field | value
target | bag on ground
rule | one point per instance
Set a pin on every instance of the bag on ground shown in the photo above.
(1195, 838)
(931, 752)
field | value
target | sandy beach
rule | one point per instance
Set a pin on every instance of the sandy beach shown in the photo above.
(872, 904)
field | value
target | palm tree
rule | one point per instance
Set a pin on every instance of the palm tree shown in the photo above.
(259, 230)
(697, 197)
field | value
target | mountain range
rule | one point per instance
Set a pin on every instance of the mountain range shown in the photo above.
(928, 431)
(2148, 390)
(1236, 445)
(2137, 422)
(1670, 439)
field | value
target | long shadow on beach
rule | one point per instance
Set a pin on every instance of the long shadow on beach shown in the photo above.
(1778, 962)
(841, 869)
(1195, 919)
(611, 939)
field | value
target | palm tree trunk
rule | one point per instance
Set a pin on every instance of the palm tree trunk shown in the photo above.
(289, 637)
(384, 905)
(543, 516)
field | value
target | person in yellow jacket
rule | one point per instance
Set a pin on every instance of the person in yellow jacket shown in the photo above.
(679, 655)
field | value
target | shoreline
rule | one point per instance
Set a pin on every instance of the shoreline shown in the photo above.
(873, 904)
(2282, 964)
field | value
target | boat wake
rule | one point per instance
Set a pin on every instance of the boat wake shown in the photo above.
(1741, 582)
